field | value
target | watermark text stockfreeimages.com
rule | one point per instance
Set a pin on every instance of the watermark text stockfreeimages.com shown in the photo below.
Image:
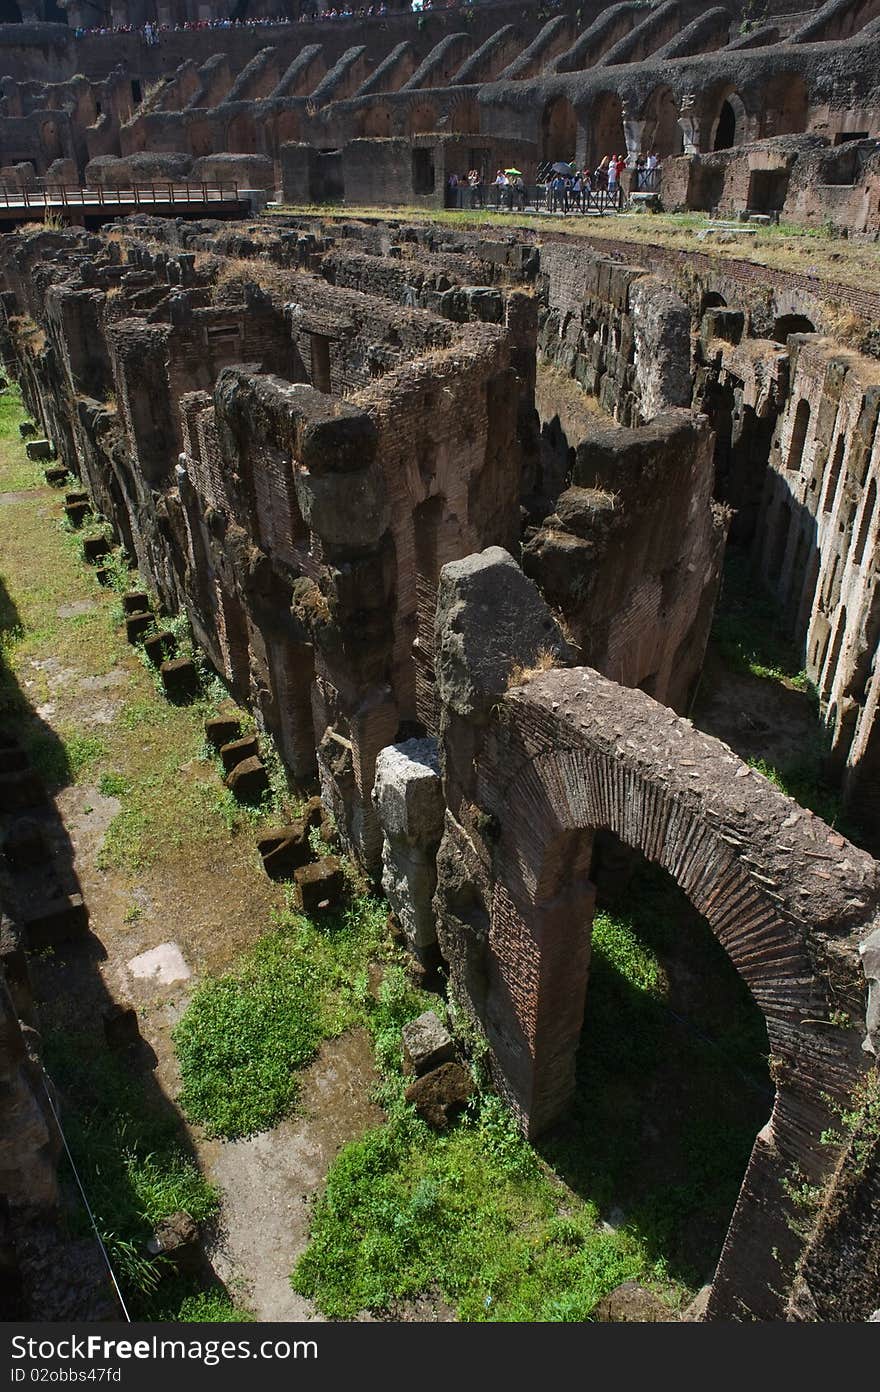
(98, 1348)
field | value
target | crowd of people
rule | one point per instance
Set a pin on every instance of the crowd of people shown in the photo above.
(565, 188)
(309, 13)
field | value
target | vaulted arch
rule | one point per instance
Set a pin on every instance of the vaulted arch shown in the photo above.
(569, 754)
(661, 131)
(558, 130)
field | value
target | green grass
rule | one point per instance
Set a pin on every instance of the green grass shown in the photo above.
(747, 632)
(133, 1163)
(505, 1232)
(245, 1035)
(17, 472)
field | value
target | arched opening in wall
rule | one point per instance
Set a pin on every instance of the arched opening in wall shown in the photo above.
(422, 118)
(558, 130)
(241, 135)
(834, 474)
(730, 125)
(787, 324)
(201, 138)
(375, 123)
(866, 523)
(712, 300)
(798, 435)
(464, 118)
(284, 129)
(661, 130)
(784, 106)
(672, 1078)
(607, 135)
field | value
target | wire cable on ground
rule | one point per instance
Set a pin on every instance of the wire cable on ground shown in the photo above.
(88, 1207)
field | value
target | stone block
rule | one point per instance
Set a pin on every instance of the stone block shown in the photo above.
(320, 885)
(236, 751)
(121, 1028)
(135, 602)
(222, 729)
(136, 625)
(426, 1044)
(180, 679)
(631, 1303)
(77, 496)
(314, 814)
(57, 475)
(409, 878)
(407, 793)
(77, 513)
(21, 788)
(57, 920)
(248, 780)
(40, 449)
(159, 646)
(24, 844)
(177, 1240)
(27, 430)
(104, 575)
(95, 549)
(490, 619)
(285, 850)
(439, 1096)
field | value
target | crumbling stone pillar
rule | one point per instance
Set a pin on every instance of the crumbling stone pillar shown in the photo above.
(409, 801)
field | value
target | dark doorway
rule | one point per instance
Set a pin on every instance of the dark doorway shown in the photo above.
(725, 135)
(768, 190)
(423, 171)
(672, 1072)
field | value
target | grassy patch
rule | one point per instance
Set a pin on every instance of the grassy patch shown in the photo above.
(813, 251)
(246, 1035)
(508, 1233)
(747, 632)
(17, 472)
(135, 1169)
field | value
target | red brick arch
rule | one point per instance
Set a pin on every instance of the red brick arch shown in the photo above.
(570, 753)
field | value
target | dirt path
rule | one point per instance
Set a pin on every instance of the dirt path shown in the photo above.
(181, 894)
(267, 1181)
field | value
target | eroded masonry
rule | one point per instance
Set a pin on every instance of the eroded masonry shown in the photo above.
(449, 515)
(768, 109)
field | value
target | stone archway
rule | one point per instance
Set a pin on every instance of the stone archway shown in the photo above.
(558, 130)
(606, 132)
(730, 126)
(568, 753)
(241, 135)
(374, 122)
(661, 130)
(784, 106)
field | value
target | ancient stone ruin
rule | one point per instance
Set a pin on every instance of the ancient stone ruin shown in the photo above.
(448, 511)
(360, 460)
(768, 110)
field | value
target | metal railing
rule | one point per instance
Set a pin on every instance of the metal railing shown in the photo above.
(73, 196)
(506, 198)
